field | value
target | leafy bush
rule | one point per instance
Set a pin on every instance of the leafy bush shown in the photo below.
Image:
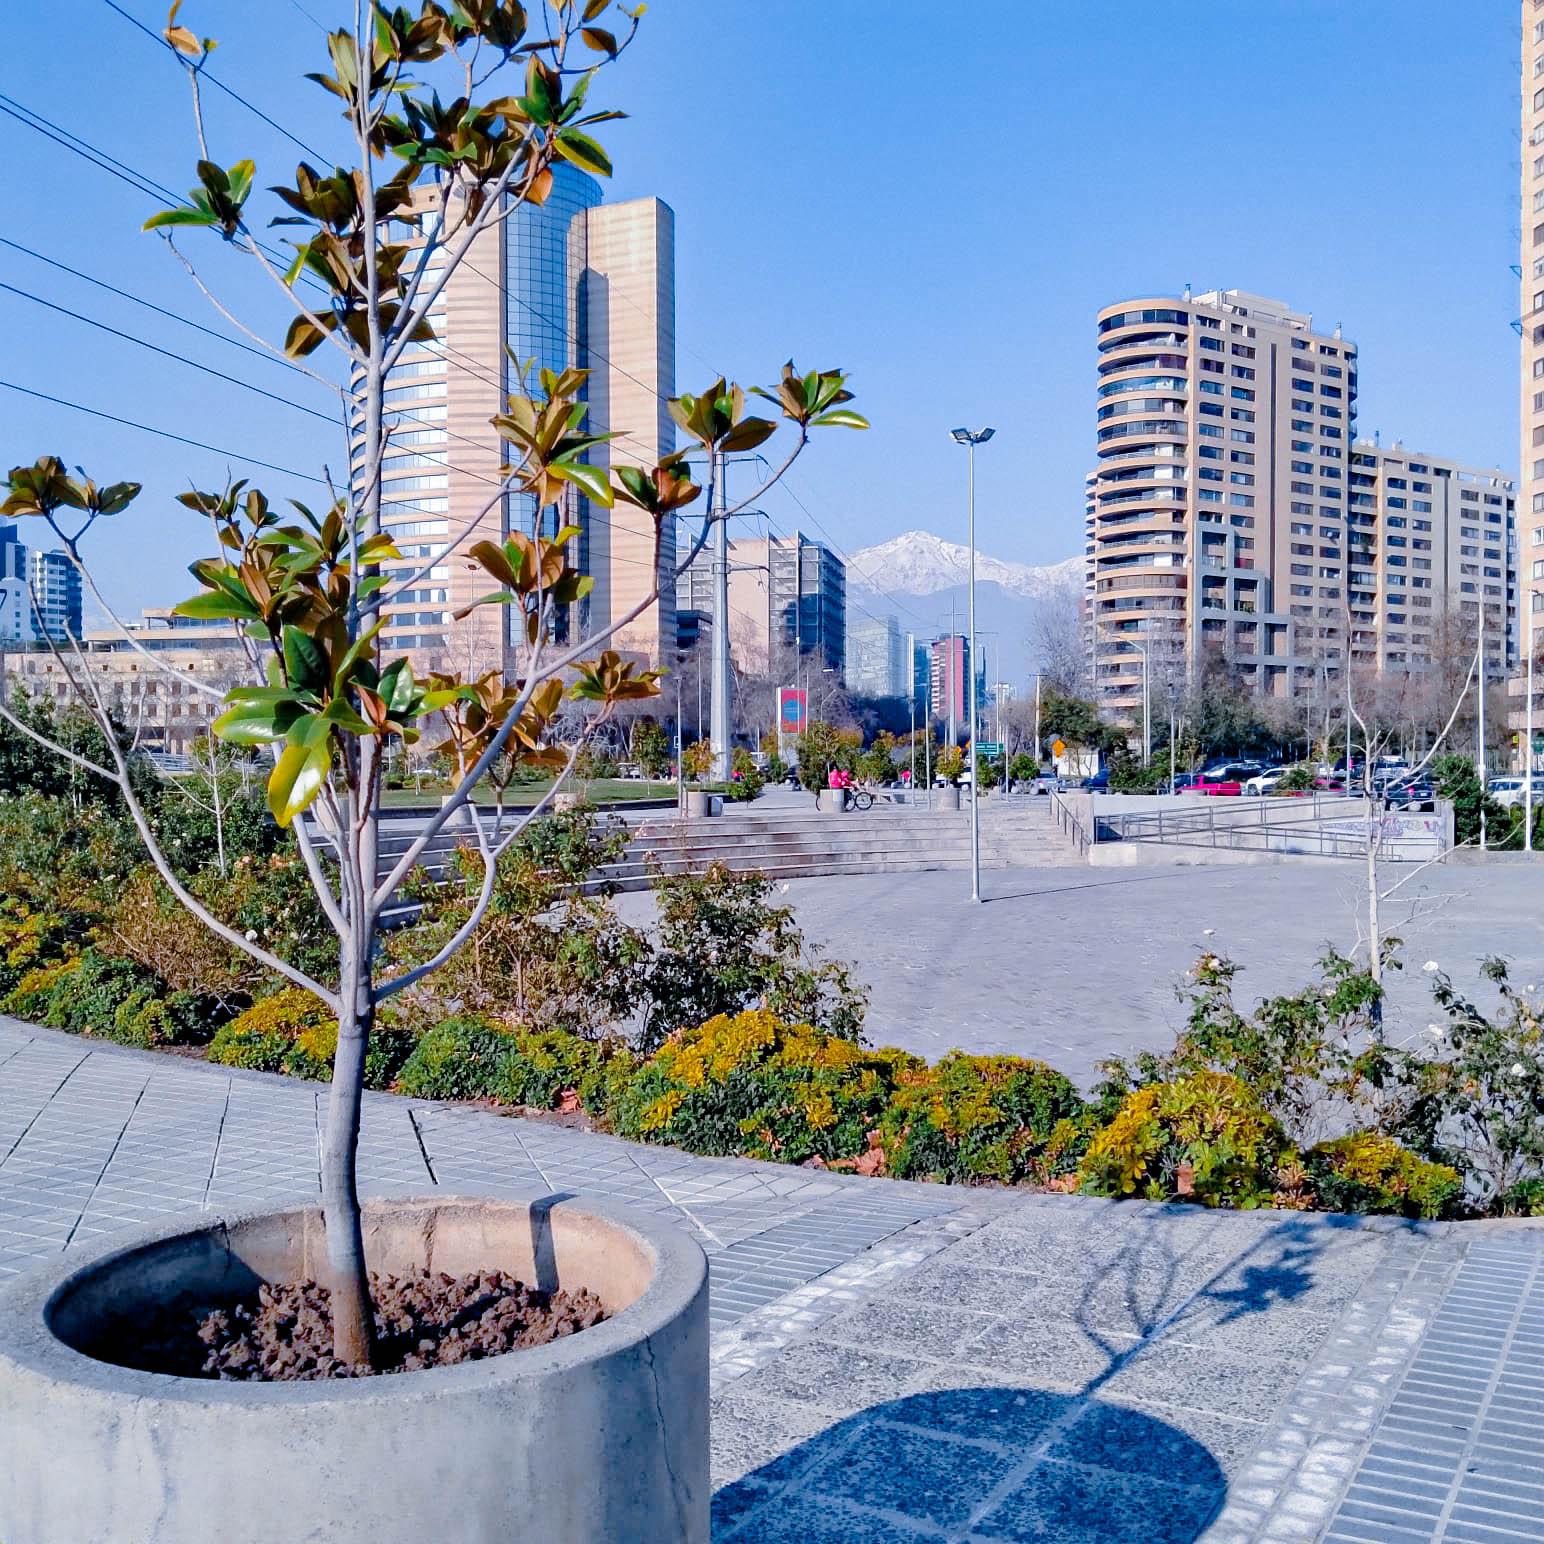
(88, 992)
(1368, 1172)
(1303, 1054)
(291, 1031)
(753, 1083)
(982, 1117)
(696, 760)
(545, 955)
(31, 938)
(540, 1068)
(722, 947)
(461, 1058)
(1476, 1102)
(1204, 1137)
(1524, 1199)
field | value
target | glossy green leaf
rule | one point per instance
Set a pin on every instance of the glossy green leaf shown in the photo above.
(305, 661)
(179, 217)
(298, 777)
(590, 480)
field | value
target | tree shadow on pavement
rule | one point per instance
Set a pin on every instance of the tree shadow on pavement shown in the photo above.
(998, 1463)
(1018, 1462)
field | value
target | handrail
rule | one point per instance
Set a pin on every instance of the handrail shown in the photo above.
(1069, 824)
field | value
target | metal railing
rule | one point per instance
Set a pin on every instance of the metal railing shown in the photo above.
(1330, 827)
(1068, 823)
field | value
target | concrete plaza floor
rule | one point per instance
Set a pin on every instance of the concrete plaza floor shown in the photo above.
(895, 1363)
(1076, 964)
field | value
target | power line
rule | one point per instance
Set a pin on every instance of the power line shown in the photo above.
(154, 348)
(214, 80)
(165, 434)
(41, 125)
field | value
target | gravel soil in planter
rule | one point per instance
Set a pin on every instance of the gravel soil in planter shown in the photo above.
(600, 1435)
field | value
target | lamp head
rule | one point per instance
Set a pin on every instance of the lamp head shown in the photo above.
(960, 436)
(965, 437)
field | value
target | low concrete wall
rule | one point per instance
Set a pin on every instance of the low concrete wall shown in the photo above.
(595, 1438)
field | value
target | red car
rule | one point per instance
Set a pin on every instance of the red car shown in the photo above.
(1225, 784)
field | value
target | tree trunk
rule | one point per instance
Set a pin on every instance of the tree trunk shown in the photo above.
(353, 1337)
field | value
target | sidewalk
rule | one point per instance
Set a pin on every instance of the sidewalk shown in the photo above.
(908, 1362)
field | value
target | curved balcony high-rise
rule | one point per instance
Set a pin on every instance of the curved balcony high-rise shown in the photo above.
(1212, 414)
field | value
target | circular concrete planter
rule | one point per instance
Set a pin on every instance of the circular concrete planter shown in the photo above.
(699, 804)
(601, 1436)
(948, 798)
(832, 801)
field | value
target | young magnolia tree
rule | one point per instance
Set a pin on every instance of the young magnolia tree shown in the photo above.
(502, 101)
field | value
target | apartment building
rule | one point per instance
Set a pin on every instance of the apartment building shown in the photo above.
(1225, 420)
(571, 282)
(1429, 541)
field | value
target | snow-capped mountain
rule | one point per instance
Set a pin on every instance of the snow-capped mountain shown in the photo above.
(921, 580)
(919, 563)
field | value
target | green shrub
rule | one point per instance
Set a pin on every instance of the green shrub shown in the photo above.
(1204, 1137)
(461, 1058)
(30, 938)
(1366, 1172)
(291, 1031)
(981, 1117)
(88, 993)
(541, 1065)
(1524, 1199)
(754, 1084)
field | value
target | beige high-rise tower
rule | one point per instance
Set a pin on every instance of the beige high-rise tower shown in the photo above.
(1217, 512)
(573, 282)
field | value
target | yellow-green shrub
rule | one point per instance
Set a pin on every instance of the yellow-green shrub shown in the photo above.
(292, 1032)
(1366, 1172)
(751, 1083)
(1209, 1121)
(981, 1117)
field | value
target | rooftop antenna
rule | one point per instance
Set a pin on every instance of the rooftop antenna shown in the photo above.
(1377, 438)
(1337, 329)
(1187, 289)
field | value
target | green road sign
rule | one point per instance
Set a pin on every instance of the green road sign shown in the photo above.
(990, 748)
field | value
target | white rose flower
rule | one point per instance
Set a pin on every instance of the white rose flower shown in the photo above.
(1435, 1031)
(1518, 1069)
(251, 935)
(1430, 966)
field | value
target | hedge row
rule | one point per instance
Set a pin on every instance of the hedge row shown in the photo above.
(756, 1085)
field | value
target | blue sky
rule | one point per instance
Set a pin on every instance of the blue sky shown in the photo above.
(938, 207)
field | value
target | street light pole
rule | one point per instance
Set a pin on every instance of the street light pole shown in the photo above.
(971, 440)
(1528, 739)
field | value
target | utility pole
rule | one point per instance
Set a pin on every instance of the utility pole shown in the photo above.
(971, 440)
(722, 759)
(1037, 723)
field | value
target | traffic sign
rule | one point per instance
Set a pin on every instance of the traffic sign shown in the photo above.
(1058, 747)
(989, 748)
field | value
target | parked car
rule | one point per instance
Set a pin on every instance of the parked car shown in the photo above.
(1224, 783)
(1511, 792)
(1264, 782)
(1406, 793)
(1098, 783)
